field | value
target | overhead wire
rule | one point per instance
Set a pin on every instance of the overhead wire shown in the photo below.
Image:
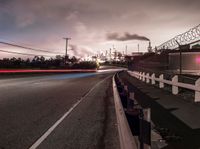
(27, 54)
(28, 48)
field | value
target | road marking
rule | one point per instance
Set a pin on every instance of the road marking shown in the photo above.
(49, 131)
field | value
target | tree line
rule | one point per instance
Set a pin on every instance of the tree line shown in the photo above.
(40, 62)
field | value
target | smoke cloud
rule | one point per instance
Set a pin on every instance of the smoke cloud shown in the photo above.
(126, 37)
(79, 51)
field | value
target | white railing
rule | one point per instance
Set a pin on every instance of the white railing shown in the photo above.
(146, 77)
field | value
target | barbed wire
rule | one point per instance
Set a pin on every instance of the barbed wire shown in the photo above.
(191, 36)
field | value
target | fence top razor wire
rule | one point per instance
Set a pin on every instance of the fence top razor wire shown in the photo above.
(190, 37)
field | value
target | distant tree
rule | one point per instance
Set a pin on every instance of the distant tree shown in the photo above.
(73, 60)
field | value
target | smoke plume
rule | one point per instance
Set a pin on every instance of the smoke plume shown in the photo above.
(79, 51)
(127, 36)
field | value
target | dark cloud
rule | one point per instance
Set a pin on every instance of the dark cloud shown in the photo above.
(126, 37)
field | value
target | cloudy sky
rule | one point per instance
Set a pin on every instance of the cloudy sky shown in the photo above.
(91, 23)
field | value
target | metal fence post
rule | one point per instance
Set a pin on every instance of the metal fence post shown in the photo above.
(197, 93)
(161, 84)
(174, 87)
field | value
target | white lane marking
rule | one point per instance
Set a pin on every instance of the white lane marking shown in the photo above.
(49, 131)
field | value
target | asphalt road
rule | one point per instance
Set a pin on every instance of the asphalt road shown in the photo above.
(66, 111)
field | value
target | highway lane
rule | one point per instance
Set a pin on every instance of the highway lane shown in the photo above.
(30, 106)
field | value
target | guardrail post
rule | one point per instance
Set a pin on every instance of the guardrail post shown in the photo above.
(130, 102)
(153, 79)
(197, 93)
(126, 89)
(143, 76)
(147, 80)
(145, 129)
(132, 95)
(174, 87)
(147, 139)
(161, 84)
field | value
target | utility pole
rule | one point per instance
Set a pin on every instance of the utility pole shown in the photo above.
(126, 49)
(138, 48)
(67, 39)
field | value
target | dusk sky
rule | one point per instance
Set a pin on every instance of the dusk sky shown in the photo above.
(44, 23)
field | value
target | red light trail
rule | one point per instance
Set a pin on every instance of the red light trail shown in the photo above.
(46, 71)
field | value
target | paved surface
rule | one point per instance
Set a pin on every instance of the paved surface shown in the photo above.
(30, 106)
(179, 118)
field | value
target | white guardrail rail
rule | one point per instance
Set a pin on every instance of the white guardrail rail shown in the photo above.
(125, 136)
(146, 77)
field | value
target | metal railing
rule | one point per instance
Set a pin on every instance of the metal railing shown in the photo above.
(146, 77)
(125, 136)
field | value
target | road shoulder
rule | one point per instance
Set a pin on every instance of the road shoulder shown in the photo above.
(91, 125)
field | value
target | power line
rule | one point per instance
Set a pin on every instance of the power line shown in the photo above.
(28, 48)
(27, 54)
